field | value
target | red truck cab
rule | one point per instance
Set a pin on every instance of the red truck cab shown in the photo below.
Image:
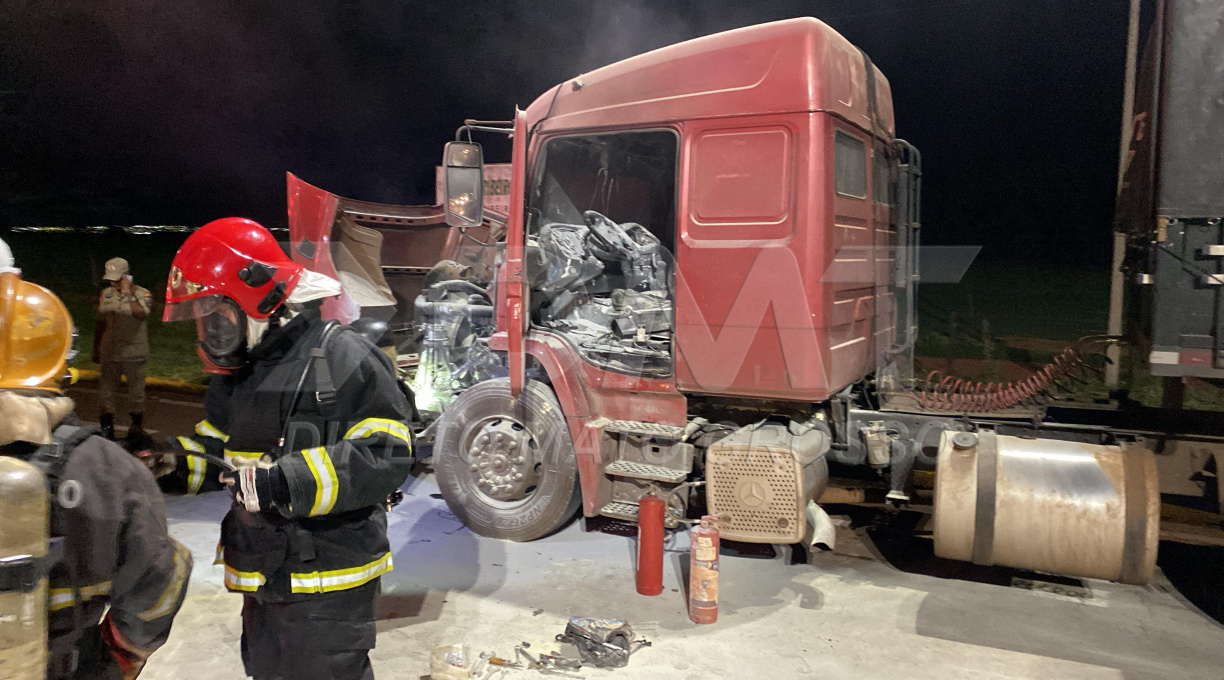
(768, 137)
(738, 194)
(706, 293)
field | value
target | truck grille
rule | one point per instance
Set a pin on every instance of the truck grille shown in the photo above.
(759, 488)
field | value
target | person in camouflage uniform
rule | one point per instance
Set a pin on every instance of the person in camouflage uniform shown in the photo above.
(121, 345)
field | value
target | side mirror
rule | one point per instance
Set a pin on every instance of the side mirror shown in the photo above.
(463, 184)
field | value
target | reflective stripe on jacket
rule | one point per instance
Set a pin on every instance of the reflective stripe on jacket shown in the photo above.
(341, 461)
(118, 542)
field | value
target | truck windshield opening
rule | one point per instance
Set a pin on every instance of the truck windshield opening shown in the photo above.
(599, 247)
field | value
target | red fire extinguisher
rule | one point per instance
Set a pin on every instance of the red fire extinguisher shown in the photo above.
(650, 545)
(703, 571)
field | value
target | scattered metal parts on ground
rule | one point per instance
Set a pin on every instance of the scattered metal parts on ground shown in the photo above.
(503, 663)
(560, 662)
(532, 662)
(603, 643)
(561, 672)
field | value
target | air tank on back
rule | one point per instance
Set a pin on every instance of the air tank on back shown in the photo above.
(23, 537)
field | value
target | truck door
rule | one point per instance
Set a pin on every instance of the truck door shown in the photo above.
(750, 306)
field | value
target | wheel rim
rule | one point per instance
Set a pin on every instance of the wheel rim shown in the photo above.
(501, 464)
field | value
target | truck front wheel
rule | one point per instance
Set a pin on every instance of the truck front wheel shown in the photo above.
(506, 466)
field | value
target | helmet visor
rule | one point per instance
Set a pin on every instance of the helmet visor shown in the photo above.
(220, 323)
(197, 308)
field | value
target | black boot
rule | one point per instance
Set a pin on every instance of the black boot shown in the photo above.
(137, 440)
(107, 421)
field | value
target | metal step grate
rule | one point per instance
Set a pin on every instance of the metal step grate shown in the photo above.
(620, 510)
(628, 512)
(657, 473)
(644, 429)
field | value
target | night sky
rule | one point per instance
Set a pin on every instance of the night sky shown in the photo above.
(178, 112)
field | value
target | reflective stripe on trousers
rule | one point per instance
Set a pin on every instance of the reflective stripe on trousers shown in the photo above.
(340, 579)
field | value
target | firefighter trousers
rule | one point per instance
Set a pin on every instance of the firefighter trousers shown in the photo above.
(108, 384)
(326, 637)
(86, 659)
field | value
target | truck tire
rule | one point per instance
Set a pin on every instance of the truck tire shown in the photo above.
(506, 466)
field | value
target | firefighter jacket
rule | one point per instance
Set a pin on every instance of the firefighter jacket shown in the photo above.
(125, 337)
(117, 553)
(348, 447)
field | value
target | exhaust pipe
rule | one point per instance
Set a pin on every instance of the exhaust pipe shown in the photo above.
(823, 534)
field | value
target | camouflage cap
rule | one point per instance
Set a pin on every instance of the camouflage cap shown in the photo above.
(116, 267)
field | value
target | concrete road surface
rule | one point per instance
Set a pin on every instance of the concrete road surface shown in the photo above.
(852, 614)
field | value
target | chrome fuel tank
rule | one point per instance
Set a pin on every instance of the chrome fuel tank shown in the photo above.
(1047, 505)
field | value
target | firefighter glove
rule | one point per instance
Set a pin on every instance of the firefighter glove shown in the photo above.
(257, 488)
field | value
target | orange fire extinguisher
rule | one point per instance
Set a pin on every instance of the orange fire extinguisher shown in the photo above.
(703, 571)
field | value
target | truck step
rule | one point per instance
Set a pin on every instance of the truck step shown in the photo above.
(635, 470)
(628, 512)
(644, 429)
(620, 510)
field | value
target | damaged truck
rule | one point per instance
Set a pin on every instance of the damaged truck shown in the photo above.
(705, 289)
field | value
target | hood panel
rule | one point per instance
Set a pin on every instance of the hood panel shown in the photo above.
(312, 213)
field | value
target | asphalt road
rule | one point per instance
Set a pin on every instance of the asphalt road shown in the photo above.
(168, 412)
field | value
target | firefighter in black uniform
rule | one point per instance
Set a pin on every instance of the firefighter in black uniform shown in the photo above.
(314, 419)
(121, 578)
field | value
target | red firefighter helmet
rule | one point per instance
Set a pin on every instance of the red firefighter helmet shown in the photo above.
(232, 257)
(227, 272)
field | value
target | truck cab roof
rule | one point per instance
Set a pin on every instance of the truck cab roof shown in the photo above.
(780, 67)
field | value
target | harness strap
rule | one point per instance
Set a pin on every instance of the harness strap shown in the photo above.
(21, 573)
(51, 458)
(325, 388)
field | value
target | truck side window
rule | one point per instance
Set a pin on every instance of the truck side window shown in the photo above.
(883, 185)
(849, 165)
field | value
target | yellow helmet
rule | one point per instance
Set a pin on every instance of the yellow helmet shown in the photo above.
(35, 335)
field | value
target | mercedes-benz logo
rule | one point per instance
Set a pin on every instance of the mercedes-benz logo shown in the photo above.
(753, 494)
